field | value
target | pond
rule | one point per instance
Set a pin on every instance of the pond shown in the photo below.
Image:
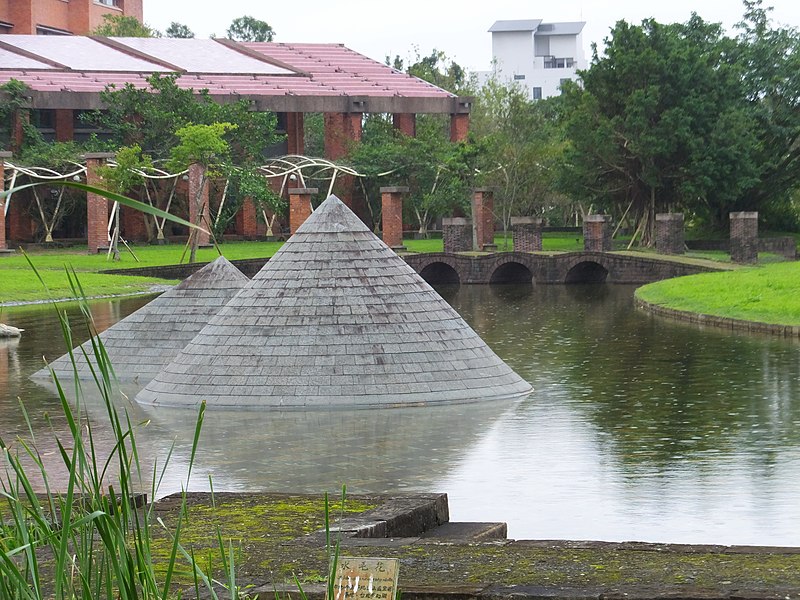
(638, 429)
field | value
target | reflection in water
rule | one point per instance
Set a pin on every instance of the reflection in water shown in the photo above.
(639, 428)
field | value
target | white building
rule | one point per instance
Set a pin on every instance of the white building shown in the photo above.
(537, 56)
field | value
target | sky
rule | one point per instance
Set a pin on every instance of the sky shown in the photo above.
(381, 29)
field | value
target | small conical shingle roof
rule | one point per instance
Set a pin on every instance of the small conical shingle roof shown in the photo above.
(143, 342)
(335, 318)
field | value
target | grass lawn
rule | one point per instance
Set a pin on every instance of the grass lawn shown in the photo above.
(18, 282)
(767, 294)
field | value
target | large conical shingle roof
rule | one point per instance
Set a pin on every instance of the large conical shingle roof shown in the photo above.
(143, 342)
(335, 318)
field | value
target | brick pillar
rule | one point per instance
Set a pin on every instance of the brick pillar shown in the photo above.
(299, 206)
(132, 224)
(19, 120)
(3, 156)
(65, 128)
(392, 216)
(19, 224)
(527, 234)
(483, 219)
(96, 206)
(405, 123)
(597, 233)
(669, 233)
(295, 133)
(341, 131)
(744, 237)
(198, 203)
(247, 220)
(459, 127)
(457, 234)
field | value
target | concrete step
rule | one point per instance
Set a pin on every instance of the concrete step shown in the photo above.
(468, 531)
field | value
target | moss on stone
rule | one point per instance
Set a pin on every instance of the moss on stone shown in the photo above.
(269, 533)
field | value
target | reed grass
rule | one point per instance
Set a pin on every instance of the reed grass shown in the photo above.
(91, 540)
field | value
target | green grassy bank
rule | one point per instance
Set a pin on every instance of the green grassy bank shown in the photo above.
(766, 294)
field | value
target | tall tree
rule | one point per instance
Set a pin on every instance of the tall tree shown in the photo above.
(124, 26)
(661, 122)
(250, 29)
(522, 147)
(436, 68)
(178, 30)
(437, 172)
(771, 59)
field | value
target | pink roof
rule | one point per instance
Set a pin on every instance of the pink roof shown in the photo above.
(263, 71)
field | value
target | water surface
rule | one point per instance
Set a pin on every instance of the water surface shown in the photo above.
(639, 428)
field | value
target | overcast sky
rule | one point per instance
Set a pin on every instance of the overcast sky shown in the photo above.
(378, 29)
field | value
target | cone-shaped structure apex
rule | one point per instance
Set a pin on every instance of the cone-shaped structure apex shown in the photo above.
(332, 216)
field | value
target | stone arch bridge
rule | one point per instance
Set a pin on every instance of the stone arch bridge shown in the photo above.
(570, 267)
(500, 267)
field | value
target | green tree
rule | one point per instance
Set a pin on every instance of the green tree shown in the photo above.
(206, 146)
(770, 57)
(13, 99)
(52, 204)
(178, 30)
(123, 179)
(436, 68)
(250, 29)
(436, 171)
(247, 182)
(149, 117)
(521, 151)
(660, 122)
(124, 26)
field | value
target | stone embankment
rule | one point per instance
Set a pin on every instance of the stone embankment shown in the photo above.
(718, 322)
(282, 536)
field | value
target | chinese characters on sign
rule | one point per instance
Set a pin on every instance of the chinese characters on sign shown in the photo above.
(365, 578)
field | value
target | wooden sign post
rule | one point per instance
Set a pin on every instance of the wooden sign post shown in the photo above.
(365, 578)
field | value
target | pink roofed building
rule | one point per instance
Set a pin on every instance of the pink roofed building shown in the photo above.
(66, 74)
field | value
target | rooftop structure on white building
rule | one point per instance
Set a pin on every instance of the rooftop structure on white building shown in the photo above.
(537, 56)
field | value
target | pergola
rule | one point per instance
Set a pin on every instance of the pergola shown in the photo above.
(68, 73)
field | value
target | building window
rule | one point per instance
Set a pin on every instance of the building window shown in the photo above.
(519, 77)
(551, 62)
(537, 93)
(114, 3)
(5, 27)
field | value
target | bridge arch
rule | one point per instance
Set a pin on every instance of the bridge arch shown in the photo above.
(586, 271)
(511, 271)
(439, 272)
